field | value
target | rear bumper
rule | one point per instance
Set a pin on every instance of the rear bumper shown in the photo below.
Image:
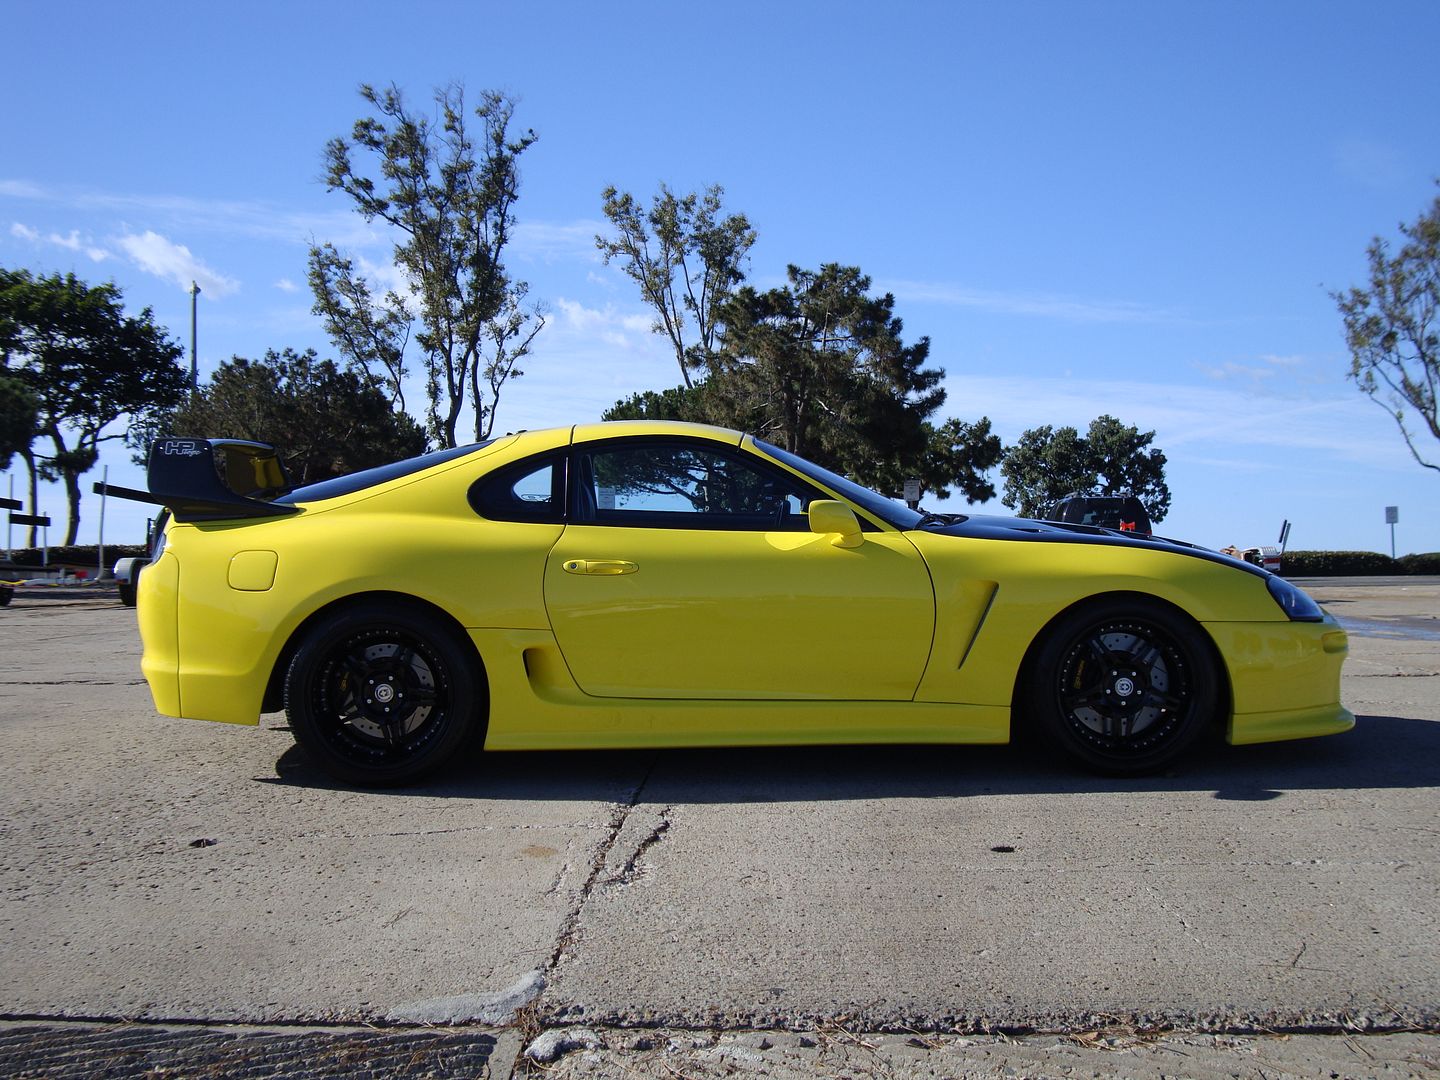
(224, 672)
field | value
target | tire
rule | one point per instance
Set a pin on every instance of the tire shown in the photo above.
(127, 593)
(380, 694)
(7, 593)
(1125, 686)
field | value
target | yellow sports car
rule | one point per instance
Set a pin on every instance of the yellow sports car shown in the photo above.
(666, 584)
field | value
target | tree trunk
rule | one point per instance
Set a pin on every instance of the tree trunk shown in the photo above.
(65, 464)
(72, 492)
(29, 456)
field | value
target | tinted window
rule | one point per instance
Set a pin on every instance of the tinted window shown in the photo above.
(897, 514)
(684, 486)
(531, 490)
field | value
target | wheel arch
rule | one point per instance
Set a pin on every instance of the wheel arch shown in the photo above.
(1020, 723)
(274, 699)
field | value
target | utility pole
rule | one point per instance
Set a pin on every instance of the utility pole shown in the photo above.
(194, 368)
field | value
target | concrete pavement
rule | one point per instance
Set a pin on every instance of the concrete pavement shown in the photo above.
(169, 870)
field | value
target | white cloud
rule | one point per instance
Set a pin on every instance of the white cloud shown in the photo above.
(386, 277)
(1268, 371)
(1218, 420)
(286, 285)
(21, 189)
(173, 262)
(613, 326)
(226, 217)
(545, 241)
(584, 361)
(73, 242)
(70, 242)
(1039, 305)
(1232, 370)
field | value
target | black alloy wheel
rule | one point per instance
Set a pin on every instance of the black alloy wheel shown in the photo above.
(377, 696)
(1125, 686)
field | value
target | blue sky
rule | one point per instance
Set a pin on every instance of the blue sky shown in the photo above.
(1125, 208)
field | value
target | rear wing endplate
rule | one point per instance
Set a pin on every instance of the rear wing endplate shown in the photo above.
(211, 480)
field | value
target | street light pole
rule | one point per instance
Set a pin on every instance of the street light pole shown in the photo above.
(194, 369)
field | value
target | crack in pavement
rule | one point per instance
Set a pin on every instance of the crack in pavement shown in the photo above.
(628, 873)
(570, 928)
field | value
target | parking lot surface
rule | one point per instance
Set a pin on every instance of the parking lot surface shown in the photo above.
(168, 871)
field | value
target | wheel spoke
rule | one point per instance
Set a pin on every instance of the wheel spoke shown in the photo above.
(1144, 654)
(1091, 697)
(1109, 722)
(1101, 655)
(356, 668)
(1155, 699)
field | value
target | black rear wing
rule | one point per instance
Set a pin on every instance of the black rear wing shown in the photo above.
(211, 480)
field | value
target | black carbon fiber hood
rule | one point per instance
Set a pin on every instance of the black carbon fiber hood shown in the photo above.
(1025, 530)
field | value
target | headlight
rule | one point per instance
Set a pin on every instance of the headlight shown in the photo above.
(1295, 602)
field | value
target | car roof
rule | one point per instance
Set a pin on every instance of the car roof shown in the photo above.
(607, 429)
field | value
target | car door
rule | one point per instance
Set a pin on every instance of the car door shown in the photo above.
(687, 570)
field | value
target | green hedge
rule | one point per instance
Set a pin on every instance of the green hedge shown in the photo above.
(76, 555)
(1356, 564)
(1427, 562)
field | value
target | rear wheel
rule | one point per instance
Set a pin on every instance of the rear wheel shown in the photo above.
(380, 695)
(1124, 685)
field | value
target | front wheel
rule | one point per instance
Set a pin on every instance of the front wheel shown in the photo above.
(1124, 685)
(379, 695)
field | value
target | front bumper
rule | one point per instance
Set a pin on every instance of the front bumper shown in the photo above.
(1284, 679)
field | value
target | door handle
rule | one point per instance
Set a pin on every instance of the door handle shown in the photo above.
(602, 567)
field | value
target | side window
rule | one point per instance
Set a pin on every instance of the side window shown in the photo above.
(531, 490)
(685, 486)
(535, 488)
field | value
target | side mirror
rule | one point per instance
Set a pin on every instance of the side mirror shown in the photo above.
(830, 517)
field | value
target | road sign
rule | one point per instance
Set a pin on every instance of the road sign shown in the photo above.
(29, 519)
(11, 504)
(1392, 515)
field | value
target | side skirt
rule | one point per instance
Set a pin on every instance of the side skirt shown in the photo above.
(536, 705)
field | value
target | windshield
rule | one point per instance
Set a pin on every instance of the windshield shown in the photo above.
(887, 510)
(359, 481)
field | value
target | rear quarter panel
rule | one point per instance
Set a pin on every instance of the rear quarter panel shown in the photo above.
(419, 538)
